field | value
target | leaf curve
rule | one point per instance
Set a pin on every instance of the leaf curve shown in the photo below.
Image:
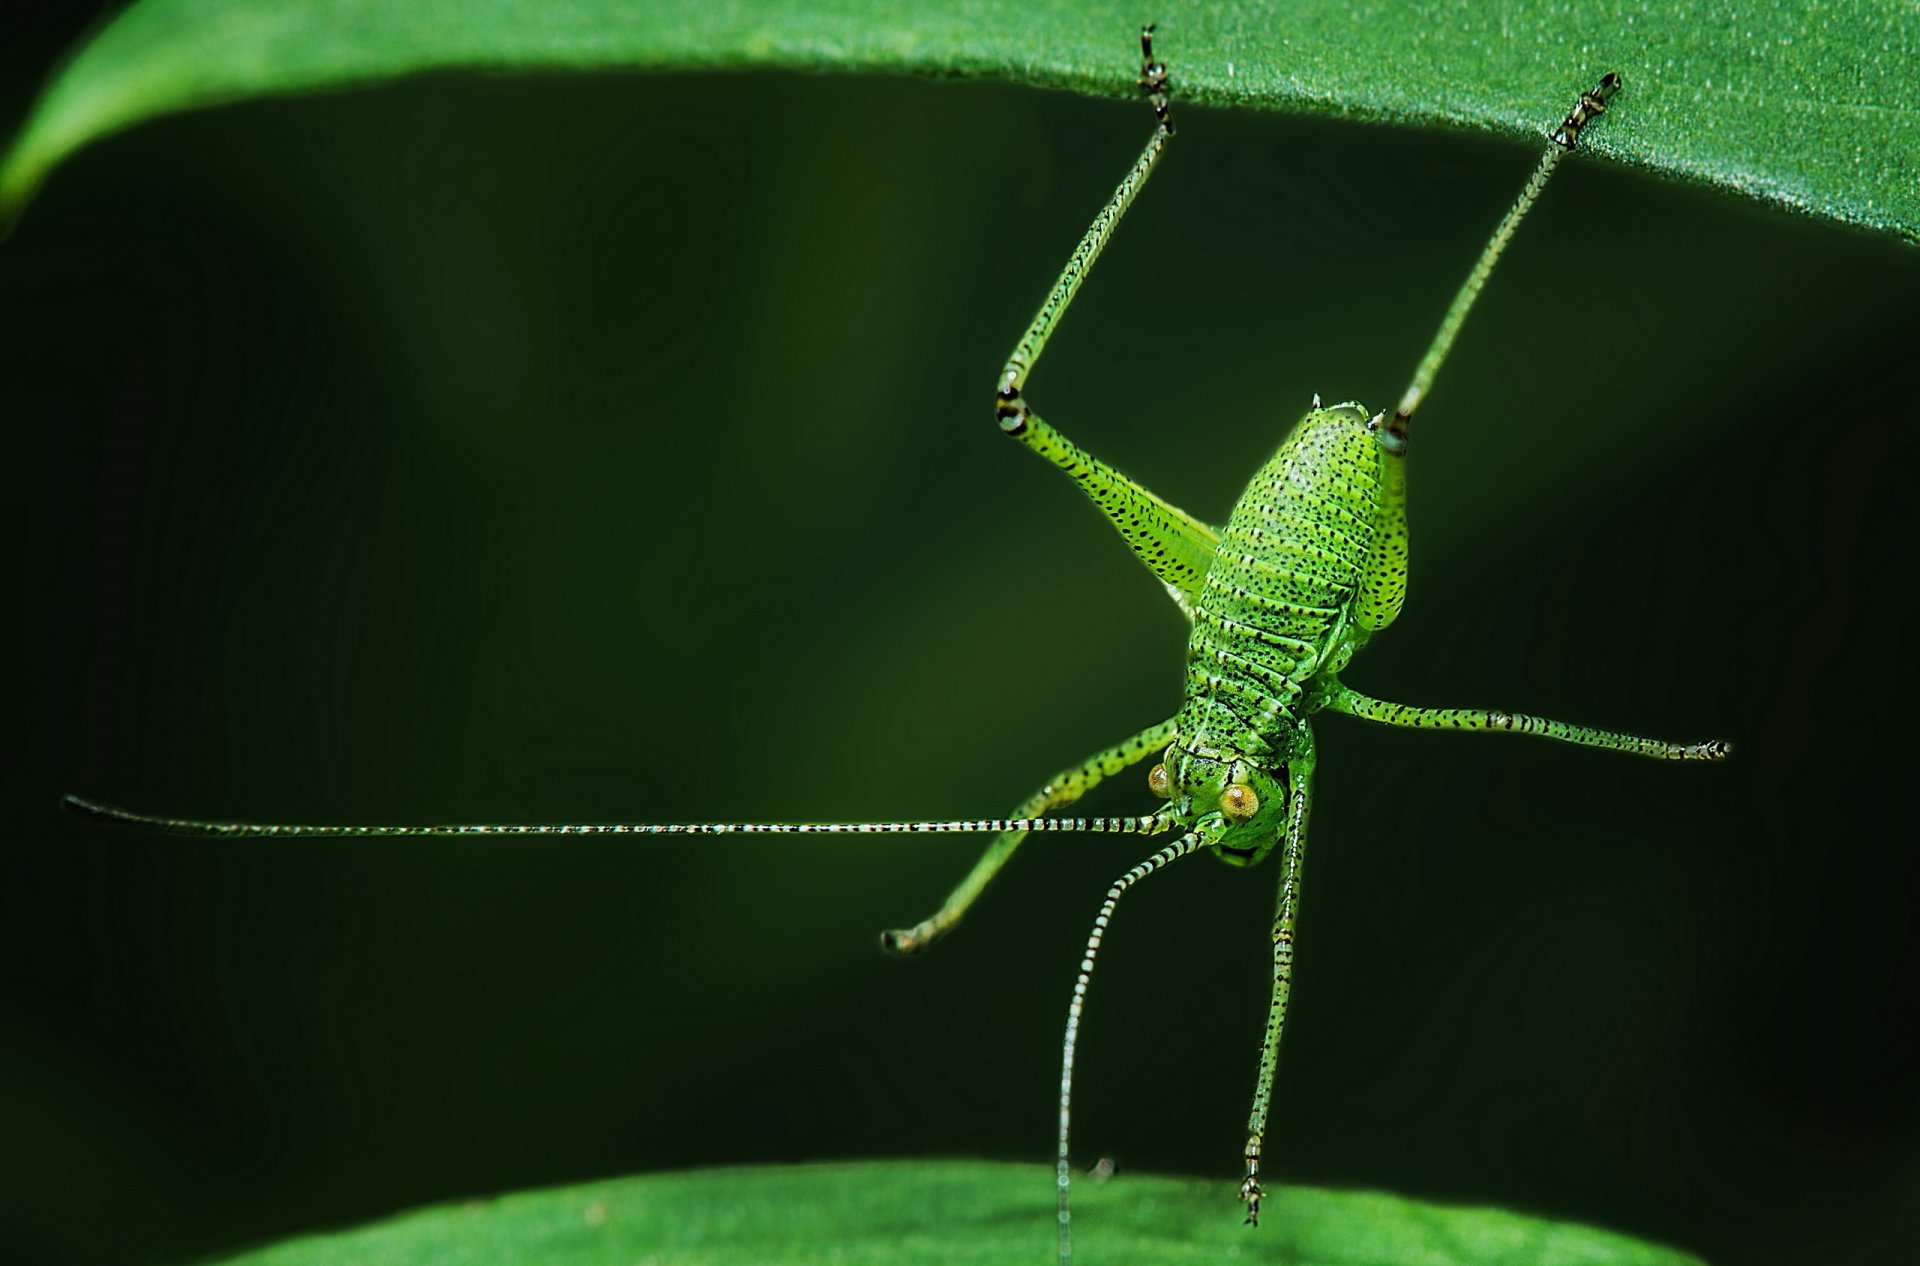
(948, 1212)
(1800, 106)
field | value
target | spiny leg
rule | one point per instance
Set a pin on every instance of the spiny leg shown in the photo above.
(1154, 84)
(1285, 910)
(1063, 1173)
(1565, 137)
(1171, 542)
(1342, 698)
(1383, 587)
(1063, 789)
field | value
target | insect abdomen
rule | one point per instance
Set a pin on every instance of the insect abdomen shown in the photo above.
(1277, 594)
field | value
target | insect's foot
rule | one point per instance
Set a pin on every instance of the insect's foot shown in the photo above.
(1250, 1193)
(1592, 106)
(1250, 1188)
(903, 941)
(82, 807)
(1154, 83)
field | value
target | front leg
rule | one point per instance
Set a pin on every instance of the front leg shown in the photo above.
(1062, 789)
(1286, 909)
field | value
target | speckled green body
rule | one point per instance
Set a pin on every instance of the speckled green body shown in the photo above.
(1279, 607)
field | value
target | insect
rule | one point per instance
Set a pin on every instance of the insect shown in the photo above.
(1311, 563)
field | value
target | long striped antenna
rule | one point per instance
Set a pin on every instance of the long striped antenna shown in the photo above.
(1146, 824)
(1591, 106)
(1191, 842)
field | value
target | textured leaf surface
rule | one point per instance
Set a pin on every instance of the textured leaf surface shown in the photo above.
(949, 1212)
(1800, 105)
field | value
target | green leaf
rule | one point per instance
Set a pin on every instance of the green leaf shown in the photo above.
(950, 1212)
(1807, 106)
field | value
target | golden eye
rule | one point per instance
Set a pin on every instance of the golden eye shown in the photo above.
(1158, 783)
(1238, 802)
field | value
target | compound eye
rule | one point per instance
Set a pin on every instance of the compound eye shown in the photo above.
(1158, 782)
(1239, 803)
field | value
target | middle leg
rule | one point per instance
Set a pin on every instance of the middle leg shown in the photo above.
(1062, 789)
(1342, 698)
(1286, 911)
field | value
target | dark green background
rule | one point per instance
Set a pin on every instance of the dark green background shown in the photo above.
(620, 449)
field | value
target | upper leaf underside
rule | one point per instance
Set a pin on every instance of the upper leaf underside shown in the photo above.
(1805, 106)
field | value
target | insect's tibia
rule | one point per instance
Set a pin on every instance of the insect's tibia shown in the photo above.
(1010, 408)
(1592, 105)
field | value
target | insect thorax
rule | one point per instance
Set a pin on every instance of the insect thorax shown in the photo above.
(1277, 607)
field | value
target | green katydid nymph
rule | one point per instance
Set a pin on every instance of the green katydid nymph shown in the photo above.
(1311, 563)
